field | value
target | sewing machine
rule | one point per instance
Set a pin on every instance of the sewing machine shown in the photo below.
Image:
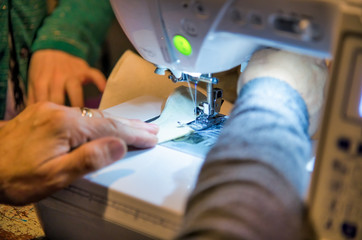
(192, 39)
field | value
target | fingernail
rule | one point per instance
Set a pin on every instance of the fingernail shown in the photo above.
(117, 149)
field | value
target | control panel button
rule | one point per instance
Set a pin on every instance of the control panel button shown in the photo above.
(303, 28)
(236, 16)
(349, 230)
(359, 149)
(189, 27)
(256, 19)
(344, 144)
(339, 167)
(329, 224)
(290, 25)
(200, 9)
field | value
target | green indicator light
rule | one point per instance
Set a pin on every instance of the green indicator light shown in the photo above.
(182, 45)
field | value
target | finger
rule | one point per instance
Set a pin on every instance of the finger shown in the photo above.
(135, 123)
(40, 90)
(96, 77)
(57, 96)
(38, 80)
(87, 158)
(46, 84)
(140, 138)
(133, 136)
(74, 90)
(31, 97)
(82, 129)
(56, 91)
(150, 127)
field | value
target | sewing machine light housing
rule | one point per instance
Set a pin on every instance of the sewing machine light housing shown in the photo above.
(215, 36)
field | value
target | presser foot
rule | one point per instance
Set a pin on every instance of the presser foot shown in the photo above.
(203, 122)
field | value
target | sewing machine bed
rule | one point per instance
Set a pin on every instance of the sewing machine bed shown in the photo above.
(142, 196)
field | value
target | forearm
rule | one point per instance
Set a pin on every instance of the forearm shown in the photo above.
(253, 180)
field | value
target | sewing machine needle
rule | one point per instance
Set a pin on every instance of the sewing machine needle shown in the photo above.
(195, 109)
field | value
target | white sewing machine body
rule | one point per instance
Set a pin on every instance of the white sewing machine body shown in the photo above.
(208, 36)
(222, 34)
(212, 36)
(193, 39)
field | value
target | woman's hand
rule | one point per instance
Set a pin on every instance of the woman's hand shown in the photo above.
(48, 146)
(54, 73)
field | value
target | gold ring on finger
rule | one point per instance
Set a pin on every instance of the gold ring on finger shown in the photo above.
(86, 112)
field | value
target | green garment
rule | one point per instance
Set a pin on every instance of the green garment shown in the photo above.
(77, 27)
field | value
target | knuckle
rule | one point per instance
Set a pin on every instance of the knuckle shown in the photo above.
(60, 115)
(134, 139)
(91, 161)
(43, 107)
(110, 126)
(49, 115)
(113, 124)
(58, 120)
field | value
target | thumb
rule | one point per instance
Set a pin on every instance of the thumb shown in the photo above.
(31, 97)
(97, 154)
(88, 157)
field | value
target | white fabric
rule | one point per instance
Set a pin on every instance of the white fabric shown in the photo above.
(178, 111)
